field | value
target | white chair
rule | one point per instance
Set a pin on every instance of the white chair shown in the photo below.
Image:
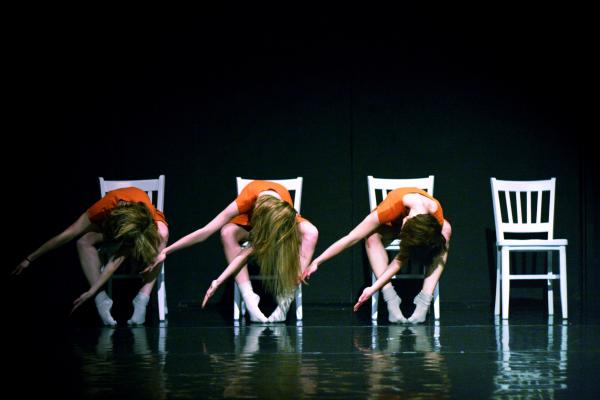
(520, 208)
(294, 186)
(381, 187)
(155, 188)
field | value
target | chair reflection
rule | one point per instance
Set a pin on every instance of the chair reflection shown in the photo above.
(532, 361)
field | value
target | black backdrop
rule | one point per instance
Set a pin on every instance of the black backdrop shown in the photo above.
(204, 98)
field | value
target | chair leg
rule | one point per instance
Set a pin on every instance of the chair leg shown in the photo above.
(498, 280)
(563, 282)
(505, 282)
(237, 302)
(162, 296)
(374, 300)
(436, 301)
(550, 285)
(299, 303)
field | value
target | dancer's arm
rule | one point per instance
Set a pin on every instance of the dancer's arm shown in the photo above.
(233, 268)
(163, 231)
(109, 269)
(199, 235)
(361, 231)
(81, 225)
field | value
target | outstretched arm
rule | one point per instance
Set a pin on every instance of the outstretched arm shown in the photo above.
(107, 272)
(361, 231)
(233, 268)
(199, 235)
(206, 231)
(80, 226)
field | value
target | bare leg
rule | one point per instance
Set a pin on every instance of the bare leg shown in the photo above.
(91, 264)
(378, 258)
(231, 236)
(88, 255)
(308, 241)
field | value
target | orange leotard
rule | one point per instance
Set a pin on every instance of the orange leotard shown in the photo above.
(247, 199)
(102, 208)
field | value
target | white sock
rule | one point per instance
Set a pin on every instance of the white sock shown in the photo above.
(140, 301)
(393, 304)
(251, 299)
(422, 301)
(283, 305)
(104, 304)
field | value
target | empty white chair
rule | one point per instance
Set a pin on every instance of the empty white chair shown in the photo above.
(378, 190)
(527, 207)
(155, 188)
(294, 186)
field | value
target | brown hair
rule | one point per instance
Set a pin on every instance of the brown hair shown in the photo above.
(276, 243)
(421, 240)
(132, 226)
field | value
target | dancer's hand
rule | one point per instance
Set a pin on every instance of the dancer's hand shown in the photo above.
(311, 269)
(366, 295)
(80, 300)
(21, 267)
(159, 259)
(211, 290)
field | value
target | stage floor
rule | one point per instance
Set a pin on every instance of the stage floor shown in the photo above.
(333, 353)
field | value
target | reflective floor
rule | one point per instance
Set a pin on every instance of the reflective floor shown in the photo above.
(333, 353)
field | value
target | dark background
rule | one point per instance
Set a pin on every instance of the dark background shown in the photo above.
(203, 97)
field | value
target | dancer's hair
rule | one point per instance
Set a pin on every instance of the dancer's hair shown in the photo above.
(132, 226)
(421, 240)
(276, 243)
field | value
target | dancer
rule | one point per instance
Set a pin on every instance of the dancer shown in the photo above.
(414, 217)
(280, 239)
(122, 225)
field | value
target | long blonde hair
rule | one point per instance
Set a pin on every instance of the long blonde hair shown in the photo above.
(132, 226)
(276, 243)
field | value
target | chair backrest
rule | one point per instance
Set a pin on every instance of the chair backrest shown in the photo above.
(523, 206)
(382, 186)
(293, 185)
(155, 188)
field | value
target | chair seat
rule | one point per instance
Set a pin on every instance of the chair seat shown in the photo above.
(533, 242)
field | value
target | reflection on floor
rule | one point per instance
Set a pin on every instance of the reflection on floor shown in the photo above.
(333, 353)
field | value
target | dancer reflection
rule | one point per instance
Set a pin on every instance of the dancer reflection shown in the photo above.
(423, 375)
